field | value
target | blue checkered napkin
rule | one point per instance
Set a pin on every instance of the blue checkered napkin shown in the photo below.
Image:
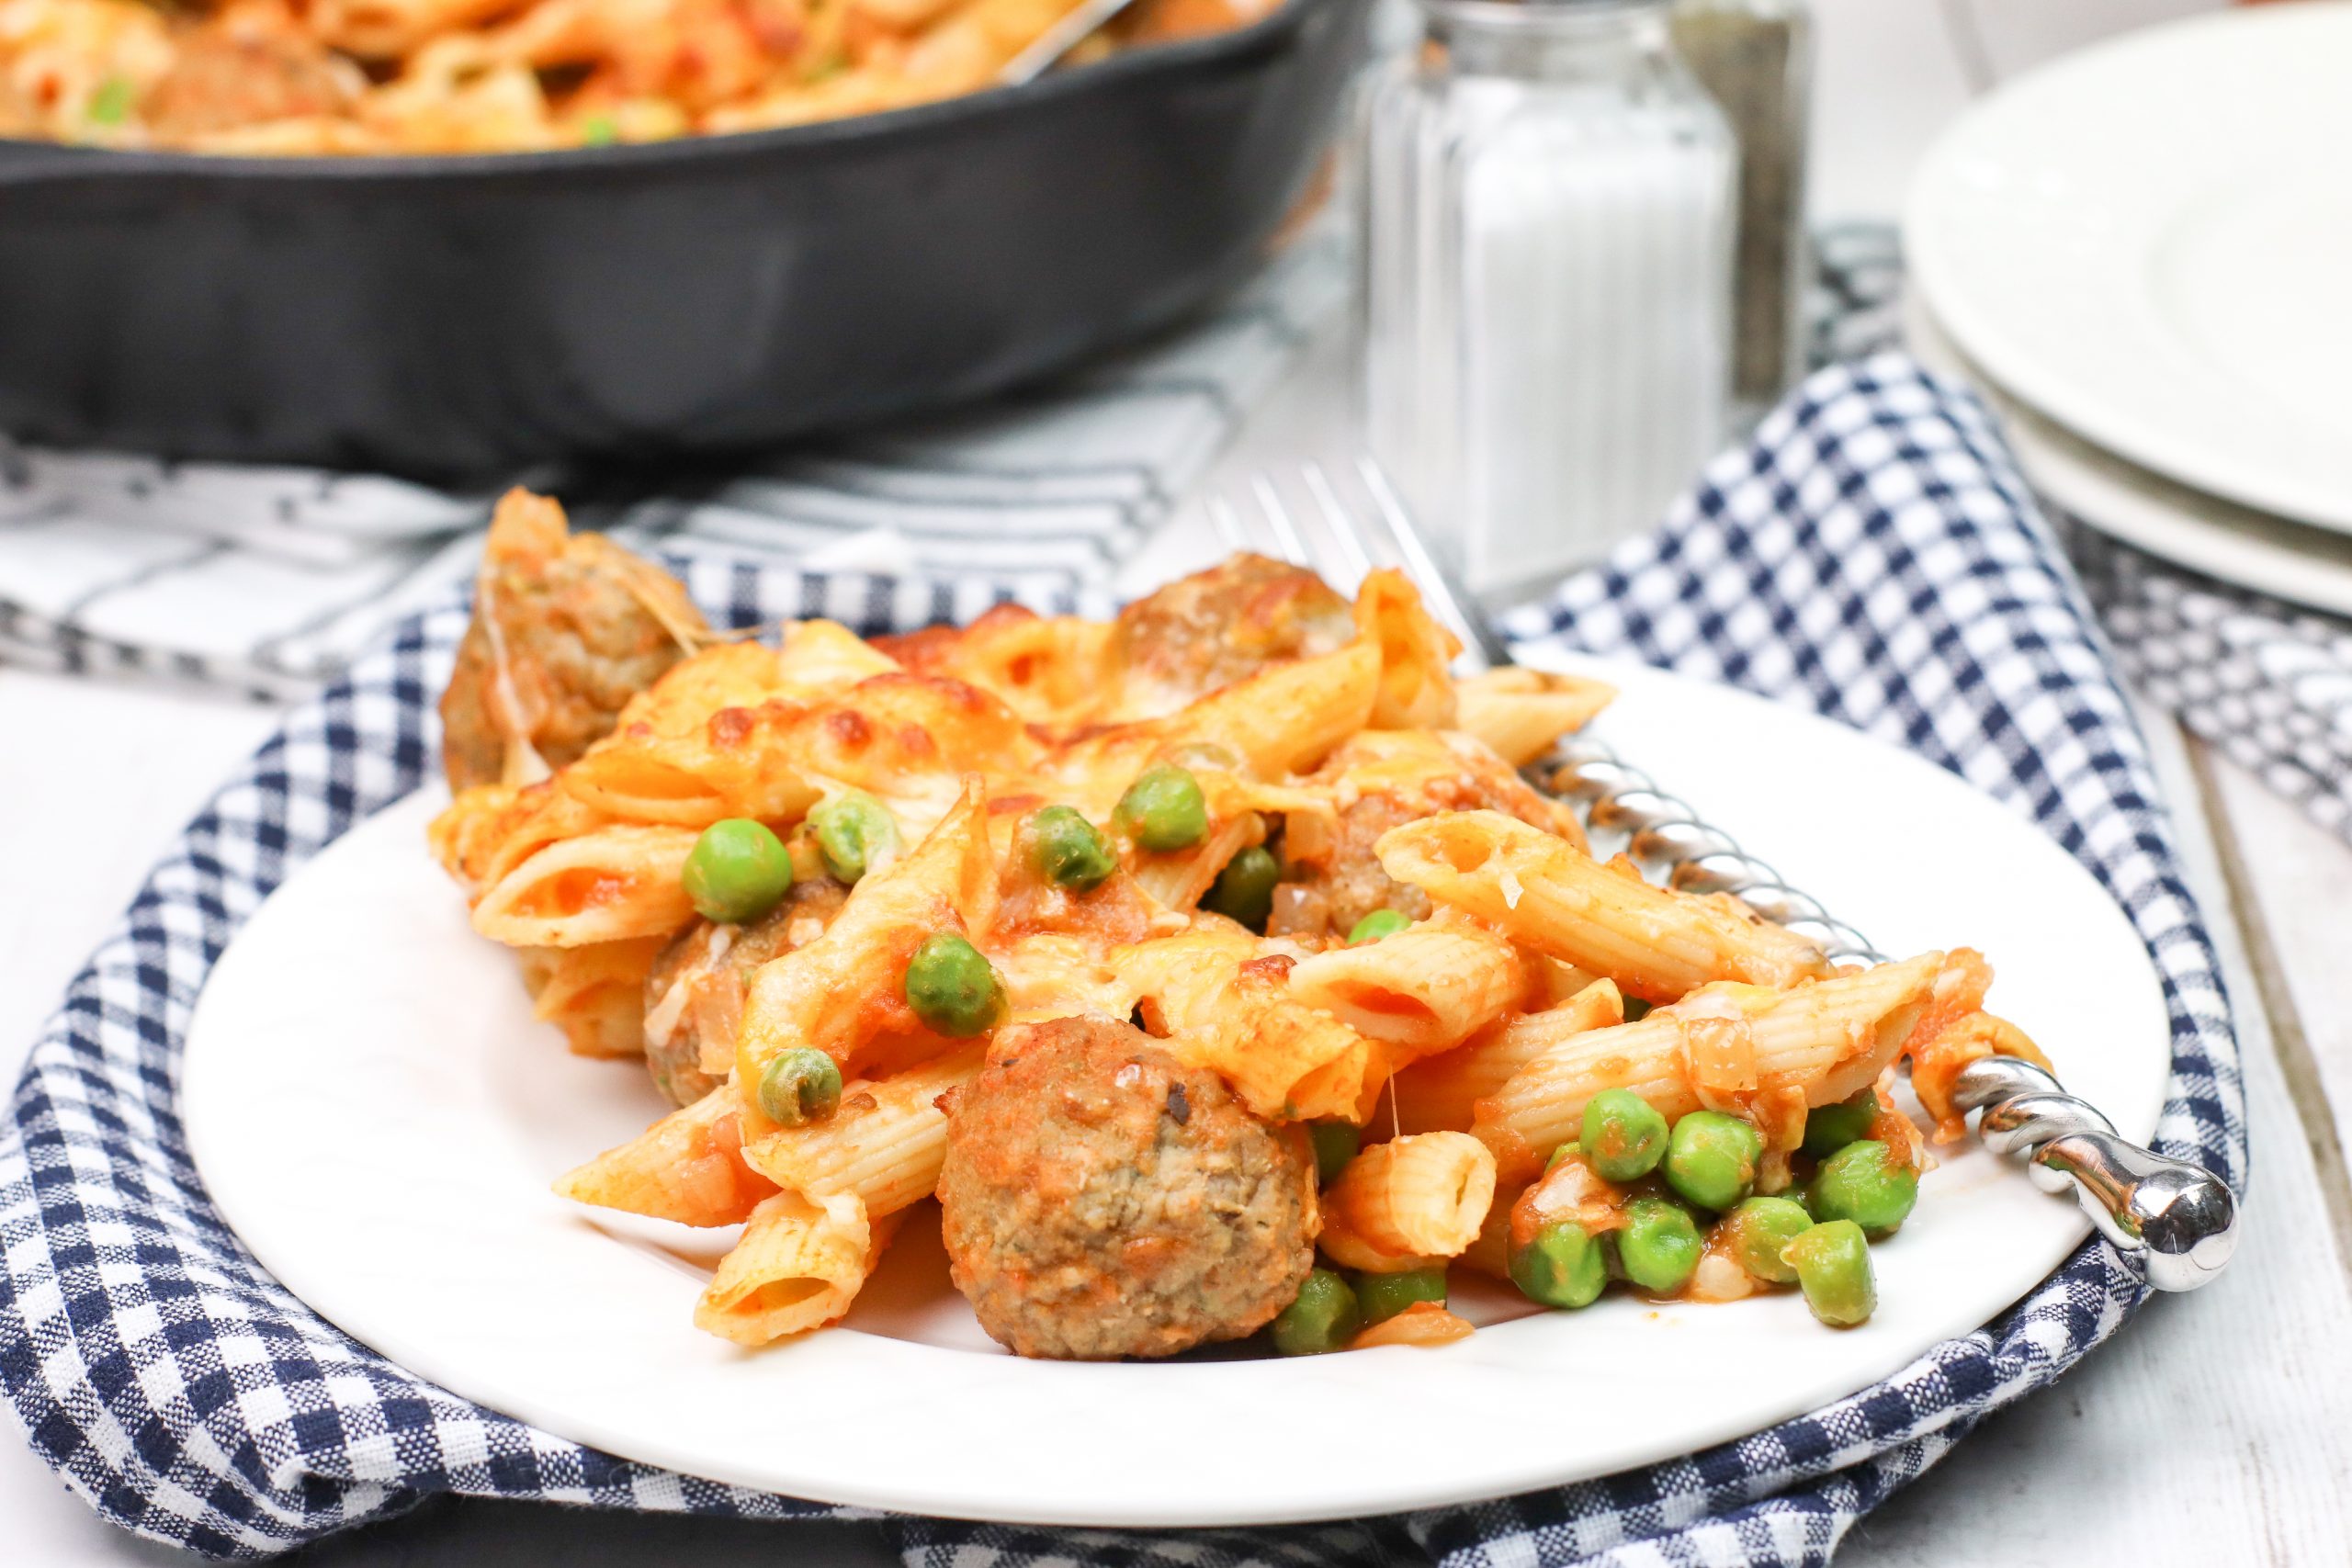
(1873, 556)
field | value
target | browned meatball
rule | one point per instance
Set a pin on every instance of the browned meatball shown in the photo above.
(1101, 1200)
(1205, 632)
(250, 65)
(566, 629)
(695, 990)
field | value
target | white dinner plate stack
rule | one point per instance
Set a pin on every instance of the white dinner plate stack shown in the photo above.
(2143, 253)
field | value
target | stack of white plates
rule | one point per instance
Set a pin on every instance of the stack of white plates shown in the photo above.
(2143, 253)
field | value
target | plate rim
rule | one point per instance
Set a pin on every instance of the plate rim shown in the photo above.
(2234, 544)
(2013, 360)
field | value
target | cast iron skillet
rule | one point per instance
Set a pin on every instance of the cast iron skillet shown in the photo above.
(461, 317)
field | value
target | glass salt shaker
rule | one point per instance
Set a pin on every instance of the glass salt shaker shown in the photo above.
(1756, 58)
(1548, 200)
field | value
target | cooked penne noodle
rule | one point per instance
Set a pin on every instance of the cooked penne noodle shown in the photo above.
(1408, 1202)
(1443, 1092)
(1522, 713)
(1426, 989)
(688, 1166)
(1178, 880)
(738, 765)
(606, 885)
(1655, 944)
(595, 995)
(1218, 1005)
(1416, 692)
(1816, 1044)
(799, 1265)
(1285, 719)
(884, 1144)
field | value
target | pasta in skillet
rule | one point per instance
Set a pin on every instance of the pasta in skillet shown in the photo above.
(340, 77)
(1214, 968)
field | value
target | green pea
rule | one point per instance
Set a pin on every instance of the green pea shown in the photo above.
(1623, 1134)
(1865, 1183)
(1163, 809)
(1323, 1317)
(1378, 924)
(1658, 1247)
(1068, 850)
(1758, 1229)
(1244, 890)
(1565, 1266)
(1833, 1266)
(953, 989)
(1829, 1128)
(854, 832)
(1711, 1158)
(799, 1087)
(110, 104)
(598, 130)
(1568, 1150)
(736, 872)
(1336, 1142)
(1382, 1296)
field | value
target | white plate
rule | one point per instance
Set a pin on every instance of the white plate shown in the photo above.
(2235, 544)
(376, 1115)
(2149, 243)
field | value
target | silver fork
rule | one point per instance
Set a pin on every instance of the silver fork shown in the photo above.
(2175, 1223)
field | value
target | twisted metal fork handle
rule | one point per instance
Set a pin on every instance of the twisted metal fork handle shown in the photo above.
(2174, 1222)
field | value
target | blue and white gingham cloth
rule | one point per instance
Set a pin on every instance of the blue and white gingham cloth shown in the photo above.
(1873, 556)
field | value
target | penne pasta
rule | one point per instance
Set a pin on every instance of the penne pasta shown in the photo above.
(1735, 1046)
(1426, 989)
(595, 995)
(1443, 1092)
(799, 1265)
(688, 1168)
(1655, 944)
(1408, 1204)
(607, 885)
(1522, 713)
(884, 1144)
(1416, 692)
(1218, 1004)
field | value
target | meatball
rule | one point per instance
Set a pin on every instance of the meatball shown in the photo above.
(695, 988)
(566, 629)
(1101, 1200)
(1203, 633)
(248, 66)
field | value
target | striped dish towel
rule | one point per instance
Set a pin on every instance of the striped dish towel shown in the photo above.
(269, 579)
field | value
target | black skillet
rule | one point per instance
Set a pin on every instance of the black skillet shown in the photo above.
(456, 317)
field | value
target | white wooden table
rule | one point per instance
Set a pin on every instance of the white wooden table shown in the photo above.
(2217, 1428)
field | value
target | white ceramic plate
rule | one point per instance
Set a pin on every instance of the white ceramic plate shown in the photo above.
(2235, 544)
(2149, 243)
(375, 1113)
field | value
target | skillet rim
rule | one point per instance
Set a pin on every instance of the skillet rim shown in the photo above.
(27, 161)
